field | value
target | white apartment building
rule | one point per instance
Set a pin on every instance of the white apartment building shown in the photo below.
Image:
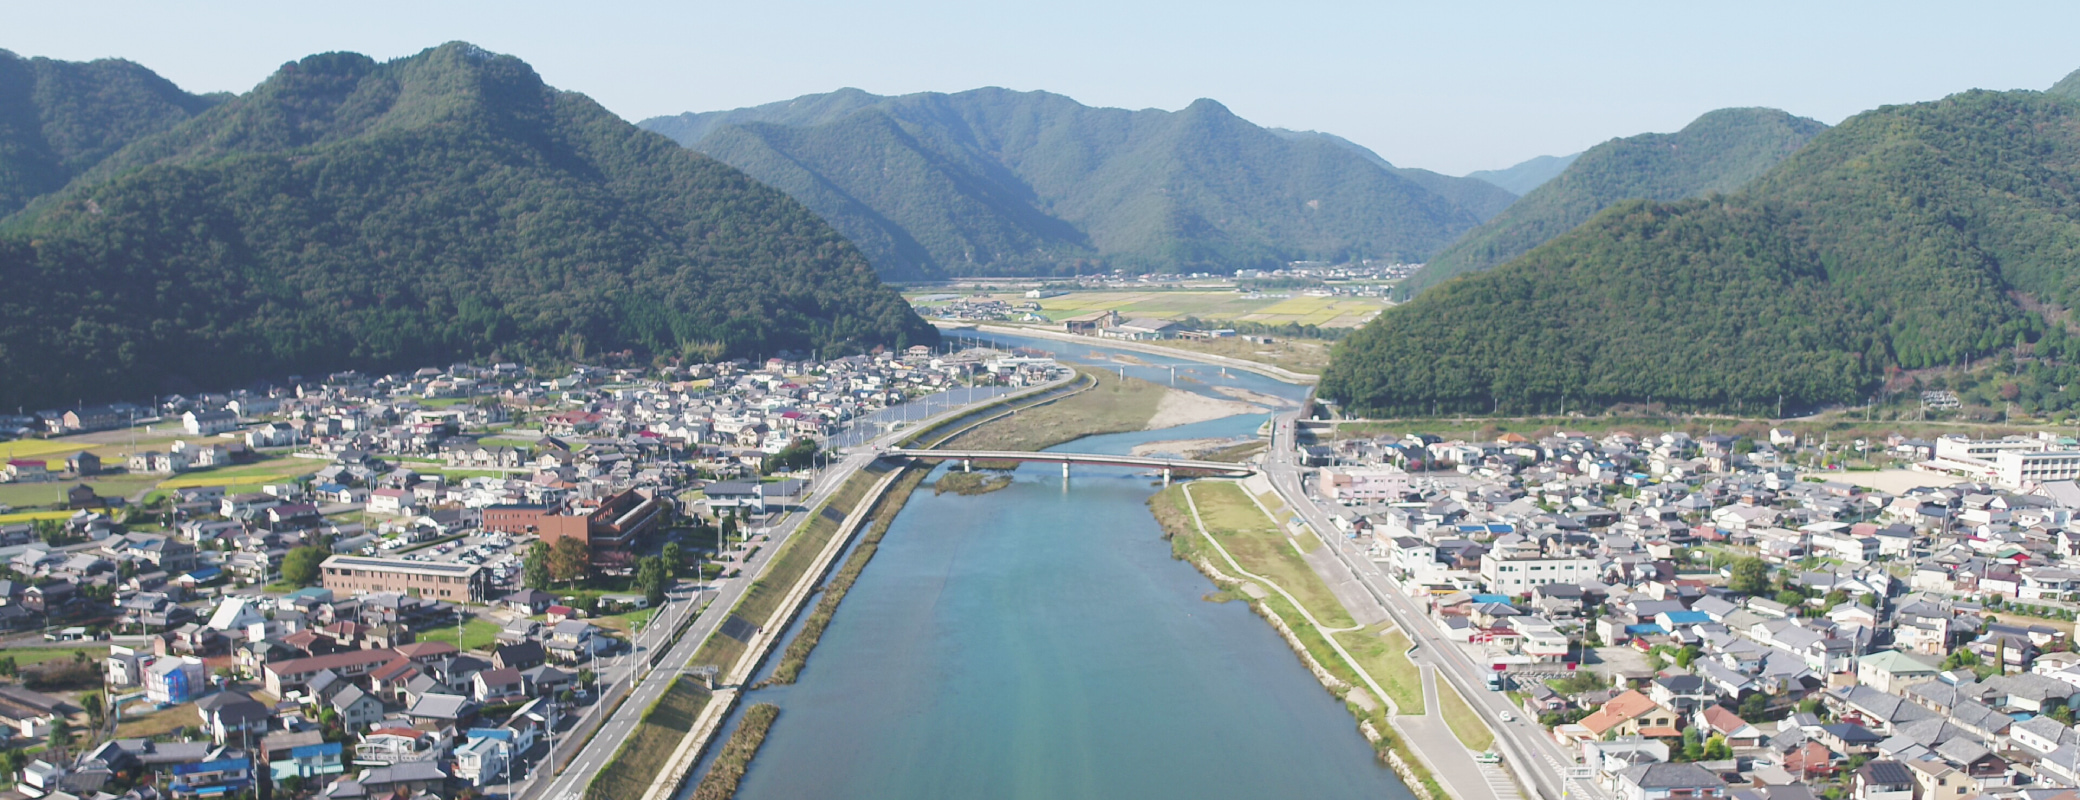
(1347, 485)
(1513, 575)
(2018, 469)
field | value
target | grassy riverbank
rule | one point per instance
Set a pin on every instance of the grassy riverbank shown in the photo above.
(657, 736)
(1111, 405)
(884, 514)
(795, 557)
(728, 770)
(1260, 548)
(970, 483)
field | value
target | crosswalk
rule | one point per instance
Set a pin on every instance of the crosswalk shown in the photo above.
(1499, 782)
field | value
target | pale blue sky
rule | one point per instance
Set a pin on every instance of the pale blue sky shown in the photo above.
(1447, 86)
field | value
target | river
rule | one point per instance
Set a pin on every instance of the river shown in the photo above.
(1040, 642)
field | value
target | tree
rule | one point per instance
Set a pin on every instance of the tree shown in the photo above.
(1754, 707)
(534, 569)
(1791, 598)
(1686, 655)
(674, 559)
(534, 566)
(797, 454)
(61, 737)
(1750, 576)
(651, 578)
(569, 559)
(1716, 748)
(91, 703)
(300, 566)
(1693, 750)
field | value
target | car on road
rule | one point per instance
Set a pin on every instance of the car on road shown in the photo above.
(1508, 717)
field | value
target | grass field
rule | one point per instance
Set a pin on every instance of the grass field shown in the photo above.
(626, 623)
(1111, 406)
(1385, 657)
(477, 634)
(21, 495)
(24, 656)
(655, 738)
(1260, 547)
(1465, 724)
(1346, 312)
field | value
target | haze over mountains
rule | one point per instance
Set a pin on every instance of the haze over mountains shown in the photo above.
(349, 213)
(1525, 175)
(998, 182)
(1910, 236)
(1719, 152)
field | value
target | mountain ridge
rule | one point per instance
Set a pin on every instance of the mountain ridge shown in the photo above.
(1908, 237)
(1050, 186)
(354, 214)
(1717, 152)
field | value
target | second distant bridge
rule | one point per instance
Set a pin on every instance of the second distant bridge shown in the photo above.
(1167, 465)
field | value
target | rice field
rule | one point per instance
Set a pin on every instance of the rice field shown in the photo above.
(273, 470)
(1272, 310)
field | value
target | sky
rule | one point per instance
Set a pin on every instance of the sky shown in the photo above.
(1452, 87)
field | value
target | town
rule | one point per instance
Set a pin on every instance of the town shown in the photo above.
(1698, 616)
(411, 584)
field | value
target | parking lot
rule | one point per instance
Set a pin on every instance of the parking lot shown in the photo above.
(500, 554)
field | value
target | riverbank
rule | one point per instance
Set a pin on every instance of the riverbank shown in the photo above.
(721, 781)
(1112, 405)
(1227, 526)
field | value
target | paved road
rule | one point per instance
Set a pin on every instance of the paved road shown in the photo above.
(1527, 746)
(571, 784)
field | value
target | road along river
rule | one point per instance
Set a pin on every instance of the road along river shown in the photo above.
(1040, 642)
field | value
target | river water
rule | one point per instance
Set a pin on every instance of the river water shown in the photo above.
(1040, 642)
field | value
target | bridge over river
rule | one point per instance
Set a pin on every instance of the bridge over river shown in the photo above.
(1167, 465)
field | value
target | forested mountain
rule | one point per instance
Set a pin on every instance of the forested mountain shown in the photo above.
(349, 213)
(1718, 152)
(1527, 175)
(1910, 236)
(60, 118)
(993, 181)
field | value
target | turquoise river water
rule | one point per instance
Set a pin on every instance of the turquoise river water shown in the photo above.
(1040, 642)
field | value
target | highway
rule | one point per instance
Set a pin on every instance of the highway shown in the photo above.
(726, 592)
(1525, 745)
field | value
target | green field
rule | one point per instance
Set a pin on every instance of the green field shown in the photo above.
(273, 470)
(477, 634)
(1345, 312)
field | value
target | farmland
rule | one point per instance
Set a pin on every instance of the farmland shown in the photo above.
(1271, 309)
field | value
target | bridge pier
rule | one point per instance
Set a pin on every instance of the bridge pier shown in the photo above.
(967, 465)
(1065, 469)
(1166, 476)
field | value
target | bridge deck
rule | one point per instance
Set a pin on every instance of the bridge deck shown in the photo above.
(1095, 459)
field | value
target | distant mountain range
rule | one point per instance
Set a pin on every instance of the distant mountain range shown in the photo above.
(348, 213)
(1908, 237)
(1719, 152)
(1527, 175)
(999, 182)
